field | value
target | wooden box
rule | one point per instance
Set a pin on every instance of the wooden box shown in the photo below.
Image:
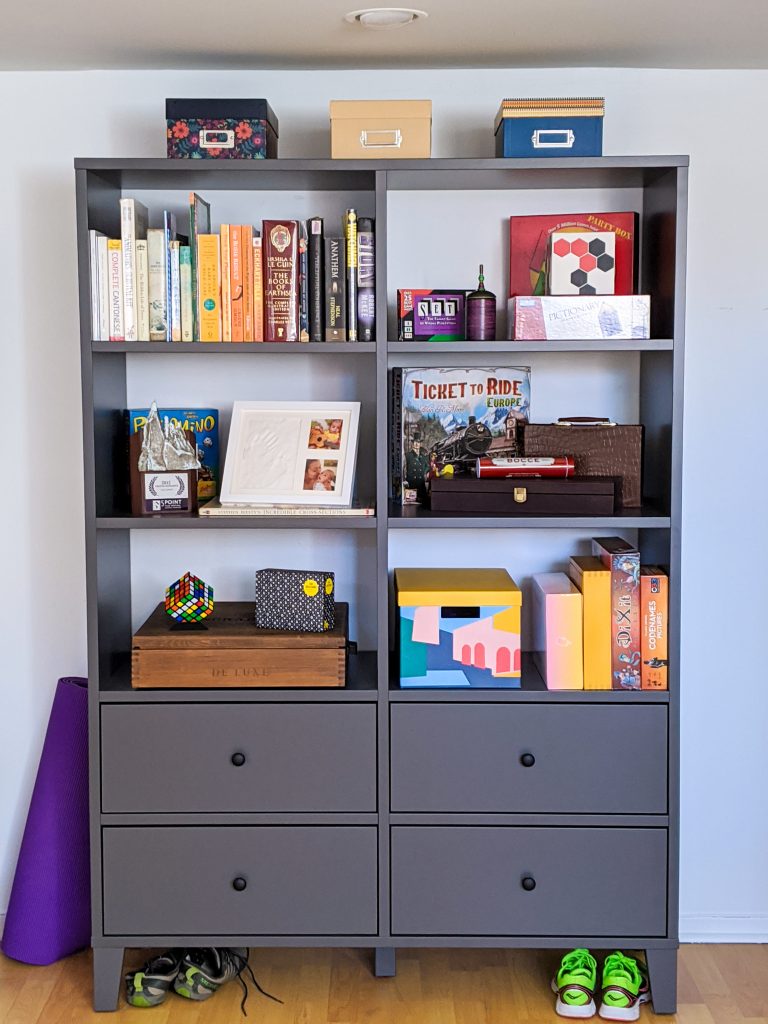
(381, 129)
(524, 496)
(231, 652)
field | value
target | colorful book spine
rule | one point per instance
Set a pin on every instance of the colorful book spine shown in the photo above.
(246, 247)
(281, 280)
(258, 288)
(624, 562)
(316, 289)
(93, 254)
(303, 282)
(236, 281)
(116, 329)
(103, 258)
(350, 234)
(226, 283)
(175, 291)
(199, 223)
(158, 291)
(654, 619)
(594, 581)
(185, 281)
(142, 290)
(209, 287)
(557, 619)
(169, 229)
(133, 224)
(366, 280)
(335, 290)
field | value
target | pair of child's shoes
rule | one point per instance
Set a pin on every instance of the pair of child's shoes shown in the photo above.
(624, 986)
(192, 973)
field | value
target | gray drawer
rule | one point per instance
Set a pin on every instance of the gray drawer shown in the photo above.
(469, 881)
(297, 757)
(466, 757)
(303, 880)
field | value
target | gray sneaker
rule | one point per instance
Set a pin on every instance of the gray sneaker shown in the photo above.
(203, 971)
(151, 984)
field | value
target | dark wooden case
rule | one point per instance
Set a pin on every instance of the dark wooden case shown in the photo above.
(231, 652)
(525, 496)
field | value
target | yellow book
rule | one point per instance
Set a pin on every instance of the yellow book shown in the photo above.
(226, 284)
(594, 581)
(209, 287)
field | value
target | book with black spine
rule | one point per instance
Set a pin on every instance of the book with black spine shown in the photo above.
(316, 280)
(335, 290)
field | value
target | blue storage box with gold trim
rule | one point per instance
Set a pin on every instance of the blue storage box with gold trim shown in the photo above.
(458, 627)
(556, 127)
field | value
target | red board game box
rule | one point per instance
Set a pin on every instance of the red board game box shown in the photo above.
(529, 242)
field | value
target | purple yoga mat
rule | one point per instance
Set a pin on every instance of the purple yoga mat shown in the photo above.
(49, 915)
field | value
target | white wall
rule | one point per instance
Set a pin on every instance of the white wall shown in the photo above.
(716, 117)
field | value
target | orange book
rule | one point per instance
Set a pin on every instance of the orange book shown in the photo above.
(226, 285)
(258, 289)
(236, 280)
(654, 616)
(246, 249)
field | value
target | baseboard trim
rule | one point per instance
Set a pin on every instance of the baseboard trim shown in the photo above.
(724, 927)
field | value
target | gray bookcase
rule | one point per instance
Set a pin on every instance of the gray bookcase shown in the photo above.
(373, 816)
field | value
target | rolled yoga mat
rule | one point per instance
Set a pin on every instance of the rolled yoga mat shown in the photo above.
(49, 915)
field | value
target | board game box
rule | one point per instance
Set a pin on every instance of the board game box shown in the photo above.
(444, 419)
(529, 247)
(204, 423)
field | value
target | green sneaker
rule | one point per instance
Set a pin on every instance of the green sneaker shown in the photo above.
(625, 987)
(150, 985)
(203, 972)
(575, 984)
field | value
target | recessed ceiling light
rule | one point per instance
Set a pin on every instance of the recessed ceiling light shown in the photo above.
(385, 17)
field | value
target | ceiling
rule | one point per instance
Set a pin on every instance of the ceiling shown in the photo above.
(245, 34)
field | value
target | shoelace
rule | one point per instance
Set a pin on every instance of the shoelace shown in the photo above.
(618, 963)
(579, 960)
(240, 964)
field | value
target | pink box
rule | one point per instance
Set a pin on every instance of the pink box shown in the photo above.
(557, 631)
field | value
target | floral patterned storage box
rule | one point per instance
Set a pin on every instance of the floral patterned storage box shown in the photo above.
(245, 129)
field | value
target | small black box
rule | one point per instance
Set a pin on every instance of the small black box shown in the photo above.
(294, 600)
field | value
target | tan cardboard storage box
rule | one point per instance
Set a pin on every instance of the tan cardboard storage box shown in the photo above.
(381, 129)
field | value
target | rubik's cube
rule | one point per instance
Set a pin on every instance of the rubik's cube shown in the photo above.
(189, 599)
(582, 263)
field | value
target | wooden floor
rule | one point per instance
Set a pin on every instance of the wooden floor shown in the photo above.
(717, 985)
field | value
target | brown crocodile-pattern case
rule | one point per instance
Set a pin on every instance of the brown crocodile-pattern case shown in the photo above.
(599, 450)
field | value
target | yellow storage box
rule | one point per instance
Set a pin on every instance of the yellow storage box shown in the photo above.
(381, 129)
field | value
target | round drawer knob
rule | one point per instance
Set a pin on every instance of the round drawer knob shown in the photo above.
(528, 883)
(238, 759)
(527, 760)
(238, 884)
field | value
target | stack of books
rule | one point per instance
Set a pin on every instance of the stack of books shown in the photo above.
(285, 281)
(603, 625)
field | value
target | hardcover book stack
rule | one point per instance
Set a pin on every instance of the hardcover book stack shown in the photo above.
(282, 281)
(603, 624)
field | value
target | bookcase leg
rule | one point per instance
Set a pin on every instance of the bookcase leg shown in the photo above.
(384, 962)
(107, 977)
(662, 967)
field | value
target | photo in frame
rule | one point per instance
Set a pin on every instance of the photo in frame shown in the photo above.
(291, 453)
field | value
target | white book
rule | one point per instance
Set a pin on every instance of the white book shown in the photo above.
(134, 218)
(158, 285)
(142, 290)
(175, 291)
(93, 254)
(185, 277)
(116, 327)
(103, 331)
(215, 508)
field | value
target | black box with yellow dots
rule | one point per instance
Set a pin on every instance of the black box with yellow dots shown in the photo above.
(294, 600)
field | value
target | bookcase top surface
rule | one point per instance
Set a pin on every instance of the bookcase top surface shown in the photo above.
(431, 163)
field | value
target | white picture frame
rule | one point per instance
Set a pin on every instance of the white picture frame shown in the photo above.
(291, 453)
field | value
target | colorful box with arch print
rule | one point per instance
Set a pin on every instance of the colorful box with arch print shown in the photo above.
(458, 627)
